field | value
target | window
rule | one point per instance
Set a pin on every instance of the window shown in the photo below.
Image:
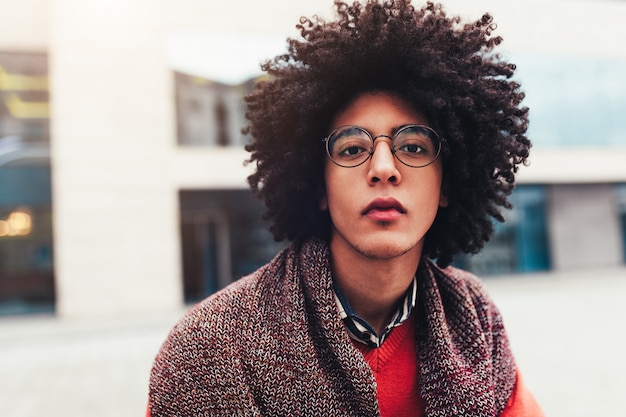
(621, 207)
(26, 249)
(520, 244)
(209, 113)
(574, 101)
(223, 239)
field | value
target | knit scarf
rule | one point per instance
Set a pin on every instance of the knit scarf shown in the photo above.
(272, 344)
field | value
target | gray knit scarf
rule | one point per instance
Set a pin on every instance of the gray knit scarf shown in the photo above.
(272, 344)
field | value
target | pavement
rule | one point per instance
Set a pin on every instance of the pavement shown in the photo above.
(568, 334)
(567, 331)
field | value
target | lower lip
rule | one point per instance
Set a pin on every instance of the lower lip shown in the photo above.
(383, 215)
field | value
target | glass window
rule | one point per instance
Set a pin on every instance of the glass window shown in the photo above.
(520, 244)
(621, 207)
(26, 249)
(223, 239)
(574, 101)
(213, 71)
(26, 266)
(209, 113)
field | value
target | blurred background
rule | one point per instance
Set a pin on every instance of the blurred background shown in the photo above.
(123, 197)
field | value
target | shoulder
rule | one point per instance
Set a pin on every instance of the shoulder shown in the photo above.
(464, 293)
(473, 325)
(206, 332)
(464, 283)
(205, 354)
(232, 309)
(522, 402)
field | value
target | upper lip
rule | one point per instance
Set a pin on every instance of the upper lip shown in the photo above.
(384, 203)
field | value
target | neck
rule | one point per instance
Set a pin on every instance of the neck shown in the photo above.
(374, 287)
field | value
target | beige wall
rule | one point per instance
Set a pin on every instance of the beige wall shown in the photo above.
(116, 168)
(584, 227)
(24, 25)
(116, 242)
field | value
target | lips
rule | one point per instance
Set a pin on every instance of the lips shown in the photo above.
(384, 208)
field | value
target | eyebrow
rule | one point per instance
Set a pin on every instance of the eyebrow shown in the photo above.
(395, 129)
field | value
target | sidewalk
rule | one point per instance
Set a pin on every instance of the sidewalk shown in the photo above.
(567, 332)
(56, 368)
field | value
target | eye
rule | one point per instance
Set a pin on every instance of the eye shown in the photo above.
(412, 148)
(416, 144)
(349, 145)
(350, 150)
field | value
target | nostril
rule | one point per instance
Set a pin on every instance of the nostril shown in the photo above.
(392, 178)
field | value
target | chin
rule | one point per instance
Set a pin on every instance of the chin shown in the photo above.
(384, 251)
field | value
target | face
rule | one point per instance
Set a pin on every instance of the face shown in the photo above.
(381, 209)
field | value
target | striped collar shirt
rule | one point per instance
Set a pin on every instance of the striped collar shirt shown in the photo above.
(362, 331)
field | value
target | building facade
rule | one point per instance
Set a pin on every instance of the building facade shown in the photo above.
(122, 183)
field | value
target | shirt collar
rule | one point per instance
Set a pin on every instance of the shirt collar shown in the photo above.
(362, 331)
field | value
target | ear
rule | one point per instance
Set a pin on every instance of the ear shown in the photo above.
(443, 194)
(443, 200)
(323, 203)
(322, 200)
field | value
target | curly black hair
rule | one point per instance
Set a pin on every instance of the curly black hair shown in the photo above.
(444, 68)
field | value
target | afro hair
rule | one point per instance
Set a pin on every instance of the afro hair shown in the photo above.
(446, 69)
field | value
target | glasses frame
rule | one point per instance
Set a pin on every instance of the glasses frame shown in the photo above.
(373, 138)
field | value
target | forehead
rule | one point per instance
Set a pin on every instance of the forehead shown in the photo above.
(378, 111)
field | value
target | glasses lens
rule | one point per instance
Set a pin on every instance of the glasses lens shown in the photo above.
(416, 146)
(349, 146)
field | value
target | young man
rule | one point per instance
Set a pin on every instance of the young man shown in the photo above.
(385, 142)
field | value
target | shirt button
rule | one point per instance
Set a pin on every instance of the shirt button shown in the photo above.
(366, 335)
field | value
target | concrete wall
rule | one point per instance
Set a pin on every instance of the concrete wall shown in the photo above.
(584, 228)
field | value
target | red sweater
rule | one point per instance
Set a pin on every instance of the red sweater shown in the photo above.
(397, 398)
(395, 367)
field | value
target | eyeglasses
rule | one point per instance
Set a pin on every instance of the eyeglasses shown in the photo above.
(415, 146)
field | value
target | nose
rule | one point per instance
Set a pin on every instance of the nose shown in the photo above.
(382, 165)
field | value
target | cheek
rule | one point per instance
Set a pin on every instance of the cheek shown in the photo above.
(427, 192)
(340, 197)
